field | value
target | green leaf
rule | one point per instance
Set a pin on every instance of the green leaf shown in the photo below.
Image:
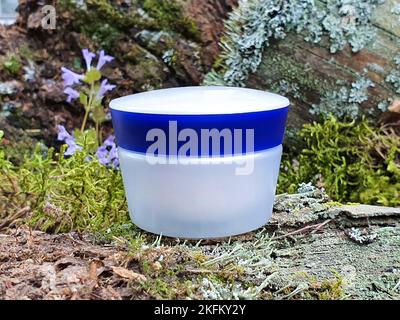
(92, 76)
(87, 139)
(98, 114)
(392, 167)
(77, 63)
(83, 99)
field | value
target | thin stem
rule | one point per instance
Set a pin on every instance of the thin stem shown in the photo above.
(98, 134)
(88, 107)
(85, 119)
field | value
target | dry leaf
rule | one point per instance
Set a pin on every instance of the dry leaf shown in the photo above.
(128, 274)
(395, 106)
(35, 20)
(96, 267)
(157, 266)
(114, 294)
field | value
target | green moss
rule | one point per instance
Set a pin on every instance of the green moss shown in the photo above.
(333, 204)
(354, 162)
(291, 70)
(165, 268)
(126, 232)
(65, 194)
(169, 16)
(161, 289)
(282, 67)
(104, 35)
(11, 64)
(99, 20)
(105, 22)
(148, 75)
(107, 12)
(328, 289)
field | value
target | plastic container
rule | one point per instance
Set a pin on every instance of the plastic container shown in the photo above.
(200, 162)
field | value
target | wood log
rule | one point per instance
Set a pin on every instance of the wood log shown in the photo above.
(316, 70)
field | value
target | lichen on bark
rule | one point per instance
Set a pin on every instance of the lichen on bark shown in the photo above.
(256, 23)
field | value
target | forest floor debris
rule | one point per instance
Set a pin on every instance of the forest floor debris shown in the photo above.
(308, 256)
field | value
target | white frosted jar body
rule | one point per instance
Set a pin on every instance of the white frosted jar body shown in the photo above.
(200, 162)
(201, 198)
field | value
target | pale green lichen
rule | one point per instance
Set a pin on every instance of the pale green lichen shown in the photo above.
(394, 76)
(344, 102)
(289, 77)
(396, 10)
(349, 21)
(251, 28)
(361, 237)
(255, 23)
(169, 57)
(285, 87)
(7, 88)
(214, 290)
(383, 105)
(306, 188)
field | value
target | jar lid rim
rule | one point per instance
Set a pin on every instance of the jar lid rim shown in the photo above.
(201, 100)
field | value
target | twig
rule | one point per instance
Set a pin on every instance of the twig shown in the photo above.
(316, 227)
(17, 215)
(321, 225)
(197, 271)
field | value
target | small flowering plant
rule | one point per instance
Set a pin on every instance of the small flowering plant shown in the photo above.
(69, 140)
(106, 154)
(89, 88)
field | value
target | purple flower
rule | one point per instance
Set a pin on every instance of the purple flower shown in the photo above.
(72, 94)
(70, 78)
(104, 87)
(103, 59)
(72, 147)
(115, 163)
(113, 152)
(102, 155)
(107, 153)
(110, 141)
(62, 133)
(88, 56)
(64, 136)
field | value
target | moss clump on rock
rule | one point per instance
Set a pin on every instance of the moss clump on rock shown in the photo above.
(105, 21)
(11, 64)
(352, 161)
(100, 20)
(169, 16)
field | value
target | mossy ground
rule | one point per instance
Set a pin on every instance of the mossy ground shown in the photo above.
(42, 189)
(259, 265)
(61, 194)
